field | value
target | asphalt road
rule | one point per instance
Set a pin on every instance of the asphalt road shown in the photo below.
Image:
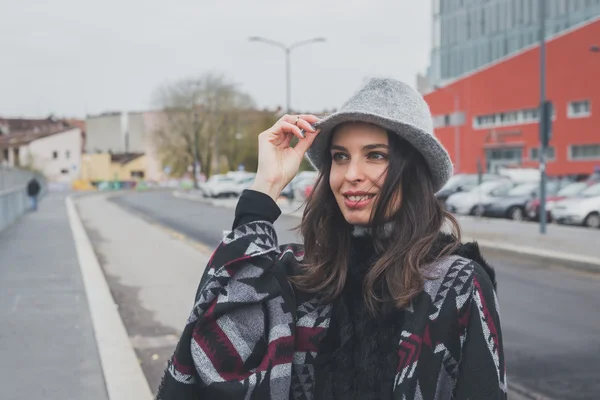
(550, 316)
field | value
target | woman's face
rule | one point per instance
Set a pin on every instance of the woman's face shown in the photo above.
(360, 156)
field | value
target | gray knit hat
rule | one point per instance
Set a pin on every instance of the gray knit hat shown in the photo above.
(396, 107)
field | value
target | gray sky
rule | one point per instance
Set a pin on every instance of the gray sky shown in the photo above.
(73, 57)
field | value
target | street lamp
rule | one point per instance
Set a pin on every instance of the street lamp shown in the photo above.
(542, 124)
(456, 125)
(287, 50)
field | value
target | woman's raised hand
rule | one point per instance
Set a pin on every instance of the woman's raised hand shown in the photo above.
(278, 163)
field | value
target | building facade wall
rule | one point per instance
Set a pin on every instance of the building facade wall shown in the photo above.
(105, 134)
(99, 168)
(124, 172)
(500, 104)
(95, 167)
(57, 157)
(468, 34)
(136, 132)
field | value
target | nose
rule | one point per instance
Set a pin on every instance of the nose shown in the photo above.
(355, 172)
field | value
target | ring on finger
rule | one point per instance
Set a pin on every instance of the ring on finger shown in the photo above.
(296, 122)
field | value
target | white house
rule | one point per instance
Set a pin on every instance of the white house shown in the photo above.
(57, 156)
(51, 147)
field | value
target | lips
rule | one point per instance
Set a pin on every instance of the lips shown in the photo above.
(358, 201)
(359, 197)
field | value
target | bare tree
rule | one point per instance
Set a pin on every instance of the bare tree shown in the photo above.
(200, 116)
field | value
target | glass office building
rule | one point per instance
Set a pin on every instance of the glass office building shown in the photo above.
(468, 34)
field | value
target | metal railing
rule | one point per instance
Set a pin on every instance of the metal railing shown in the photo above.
(13, 203)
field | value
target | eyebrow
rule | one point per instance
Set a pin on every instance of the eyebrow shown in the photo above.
(367, 147)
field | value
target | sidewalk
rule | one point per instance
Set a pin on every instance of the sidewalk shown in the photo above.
(47, 344)
(153, 274)
(570, 246)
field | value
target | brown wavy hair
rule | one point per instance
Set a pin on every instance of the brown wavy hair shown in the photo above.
(397, 274)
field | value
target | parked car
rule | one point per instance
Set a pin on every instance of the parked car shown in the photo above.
(243, 183)
(462, 183)
(219, 186)
(512, 205)
(581, 210)
(471, 202)
(571, 190)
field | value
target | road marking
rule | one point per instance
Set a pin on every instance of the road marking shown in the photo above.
(518, 392)
(123, 375)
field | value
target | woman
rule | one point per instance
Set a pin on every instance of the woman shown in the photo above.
(379, 303)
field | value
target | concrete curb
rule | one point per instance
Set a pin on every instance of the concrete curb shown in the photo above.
(573, 261)
(123, 374)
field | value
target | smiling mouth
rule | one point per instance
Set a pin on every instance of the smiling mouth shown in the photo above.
(361, 197)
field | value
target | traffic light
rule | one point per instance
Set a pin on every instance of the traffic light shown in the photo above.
(546, 123)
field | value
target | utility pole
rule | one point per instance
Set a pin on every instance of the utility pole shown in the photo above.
(196, 155)
(544, 119)
(287, 50)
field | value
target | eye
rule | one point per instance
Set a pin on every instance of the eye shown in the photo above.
(376, 155)
(339, 157)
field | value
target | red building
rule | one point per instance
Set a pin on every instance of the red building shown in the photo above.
(497, 122)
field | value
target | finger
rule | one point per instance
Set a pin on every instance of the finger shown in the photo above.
(288, 139)
(307, 117)
(291, 128)
(304, 144)
(305, 125)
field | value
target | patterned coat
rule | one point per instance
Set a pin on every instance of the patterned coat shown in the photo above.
(251, 335)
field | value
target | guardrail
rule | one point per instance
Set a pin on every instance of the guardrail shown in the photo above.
(13, 203)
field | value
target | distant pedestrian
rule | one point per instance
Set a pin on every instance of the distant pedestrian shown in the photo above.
(33, 191)
(379, 302)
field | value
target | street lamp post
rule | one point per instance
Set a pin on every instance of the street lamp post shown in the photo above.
(456, 126)
(287, 50)
(542, 119)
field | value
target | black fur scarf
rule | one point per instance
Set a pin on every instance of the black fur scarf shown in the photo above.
(358, 358)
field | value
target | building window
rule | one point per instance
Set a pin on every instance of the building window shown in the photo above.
(54, 155)
(534, 153)
(68, 154)
(579, 109)
(582, 152)
(531, 115)
(485, 121)
(137, 174)
(509, 118)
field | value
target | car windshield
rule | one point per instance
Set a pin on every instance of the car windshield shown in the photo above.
(523, 190)
(572, 189)
(592, 191)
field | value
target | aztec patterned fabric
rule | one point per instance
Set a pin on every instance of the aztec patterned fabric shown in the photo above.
(250, 336)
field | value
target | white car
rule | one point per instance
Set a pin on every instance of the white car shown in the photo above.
(219, 186)
(295, 189)
(471, 202)
(244, 183)
(582, 210)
